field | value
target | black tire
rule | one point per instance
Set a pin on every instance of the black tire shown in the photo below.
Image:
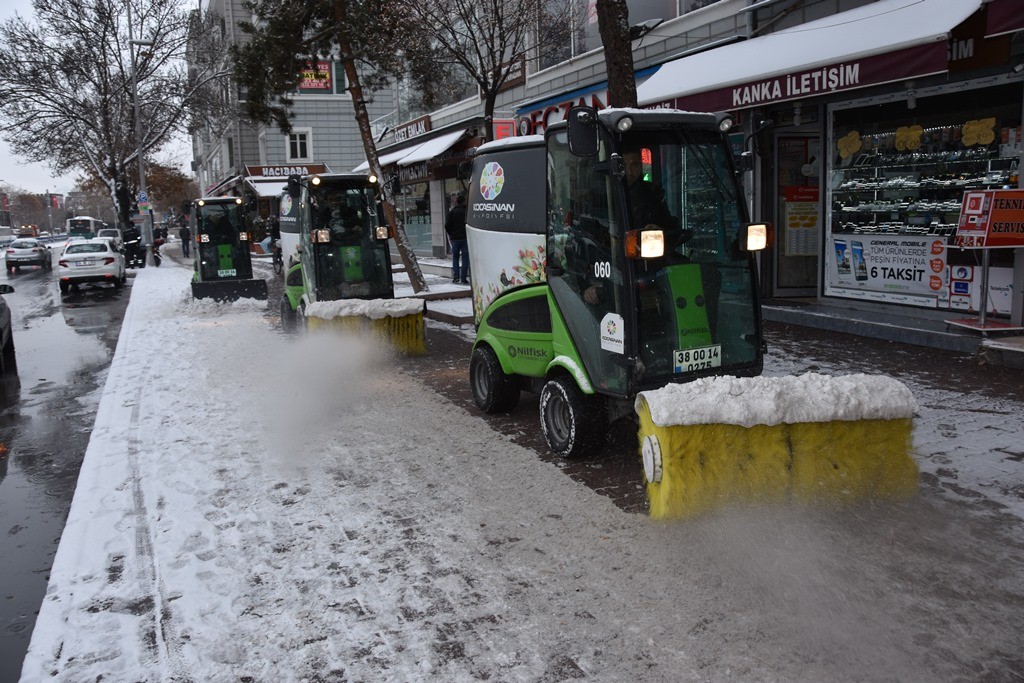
(572, 422)
(118, 283)
(493, 390)
(7, 357)
(289, 317)
(278, 262)
(64, 287)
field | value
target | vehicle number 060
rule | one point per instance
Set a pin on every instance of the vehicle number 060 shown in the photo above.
(602, 269)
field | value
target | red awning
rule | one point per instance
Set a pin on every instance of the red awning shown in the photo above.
(1004, 16)
(881, 42)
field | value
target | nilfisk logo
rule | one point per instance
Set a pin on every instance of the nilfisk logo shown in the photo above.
(492, 179)
(516, 351)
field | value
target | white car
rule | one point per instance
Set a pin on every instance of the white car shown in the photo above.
(113, 233)
(87, 261)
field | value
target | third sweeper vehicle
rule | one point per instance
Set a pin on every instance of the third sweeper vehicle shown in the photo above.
(612, 257)
(223, 264)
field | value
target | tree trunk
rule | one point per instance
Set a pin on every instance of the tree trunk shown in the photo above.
(412, 266)
(613, 24)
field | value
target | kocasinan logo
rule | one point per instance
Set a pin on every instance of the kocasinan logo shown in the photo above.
(515, 351)
(492, 179)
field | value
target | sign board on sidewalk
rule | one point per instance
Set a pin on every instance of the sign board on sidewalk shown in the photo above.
(990, 219)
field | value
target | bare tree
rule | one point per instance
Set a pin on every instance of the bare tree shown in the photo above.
(66, 81)
(492, 40)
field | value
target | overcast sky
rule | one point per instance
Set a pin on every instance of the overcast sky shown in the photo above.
(37, 177)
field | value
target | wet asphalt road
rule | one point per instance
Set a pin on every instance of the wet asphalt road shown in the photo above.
(64, 347)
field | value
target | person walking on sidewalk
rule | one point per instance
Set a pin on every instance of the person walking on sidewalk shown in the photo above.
(455, 226)
(186, 239)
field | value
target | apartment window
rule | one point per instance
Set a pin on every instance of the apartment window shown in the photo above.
(300, 145)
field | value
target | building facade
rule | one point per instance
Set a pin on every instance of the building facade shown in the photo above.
(885, 112)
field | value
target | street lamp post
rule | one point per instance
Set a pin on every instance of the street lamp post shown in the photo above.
(147, 224)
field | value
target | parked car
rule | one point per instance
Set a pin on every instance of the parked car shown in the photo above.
(7, 360)
(114, 234)
(27, 252)
(88, 261)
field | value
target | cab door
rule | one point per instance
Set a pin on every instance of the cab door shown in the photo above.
(586, 261)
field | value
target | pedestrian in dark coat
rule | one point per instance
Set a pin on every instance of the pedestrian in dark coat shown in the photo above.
(455, 227)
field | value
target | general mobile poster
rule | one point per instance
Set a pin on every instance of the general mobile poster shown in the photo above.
(892, 268)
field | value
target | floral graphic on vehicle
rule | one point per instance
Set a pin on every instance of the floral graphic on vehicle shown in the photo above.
(492, 179)
(529, 270)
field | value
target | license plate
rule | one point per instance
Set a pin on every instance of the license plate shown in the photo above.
(689, 360)
(227, 273)
(83, 263)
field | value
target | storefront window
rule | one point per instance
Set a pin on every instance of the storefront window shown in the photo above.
(898, 172)
(413, 206)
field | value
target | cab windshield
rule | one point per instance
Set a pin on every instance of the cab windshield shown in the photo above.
(695, 305)
(350, 261)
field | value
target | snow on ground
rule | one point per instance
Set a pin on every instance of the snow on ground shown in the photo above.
(254, 506)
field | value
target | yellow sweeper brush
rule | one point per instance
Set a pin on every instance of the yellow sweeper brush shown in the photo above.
(397, 322)
(725, 440)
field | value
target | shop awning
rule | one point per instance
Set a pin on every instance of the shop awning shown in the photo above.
(387, 159)
(267, 187)
(223, 186)
(884, 41)
(432, 148)
(1004, 16)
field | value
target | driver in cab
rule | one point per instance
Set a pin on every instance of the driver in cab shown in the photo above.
(648, 211)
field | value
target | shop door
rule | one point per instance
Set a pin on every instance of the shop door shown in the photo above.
(798, 217)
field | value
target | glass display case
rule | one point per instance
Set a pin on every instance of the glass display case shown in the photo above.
(889, 191)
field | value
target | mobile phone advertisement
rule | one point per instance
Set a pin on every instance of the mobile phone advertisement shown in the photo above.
(907, 269)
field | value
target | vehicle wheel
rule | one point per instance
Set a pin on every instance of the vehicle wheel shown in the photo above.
(64, 287)
(7, 357)
(493, 390)
(124, 276)
(118, 283)
(571, 421)
(289, 318)
(10, 269)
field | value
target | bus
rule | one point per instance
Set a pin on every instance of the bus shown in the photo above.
(83, 226)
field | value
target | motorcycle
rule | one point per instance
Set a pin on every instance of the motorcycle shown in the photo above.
(134, 254)
(157, 258)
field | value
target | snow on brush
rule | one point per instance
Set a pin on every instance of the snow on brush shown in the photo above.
(375, 309)
(749, 401)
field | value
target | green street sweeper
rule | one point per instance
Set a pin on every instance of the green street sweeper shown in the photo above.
(612, 257)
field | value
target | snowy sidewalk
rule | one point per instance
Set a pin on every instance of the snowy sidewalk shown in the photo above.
(260, 507)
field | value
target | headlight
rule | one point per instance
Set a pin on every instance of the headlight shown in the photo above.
(624, 124)
(322, 236)
(754, 237)
(383, 232)
(238, 200)
(652, 243)
(315, 180)
(372, 179)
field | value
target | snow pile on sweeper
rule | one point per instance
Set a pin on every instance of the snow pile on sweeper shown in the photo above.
(397, 322)
(775, 439)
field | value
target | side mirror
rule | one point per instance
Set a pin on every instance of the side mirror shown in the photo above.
(294, 186)
(745, 162)
(582, 131)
